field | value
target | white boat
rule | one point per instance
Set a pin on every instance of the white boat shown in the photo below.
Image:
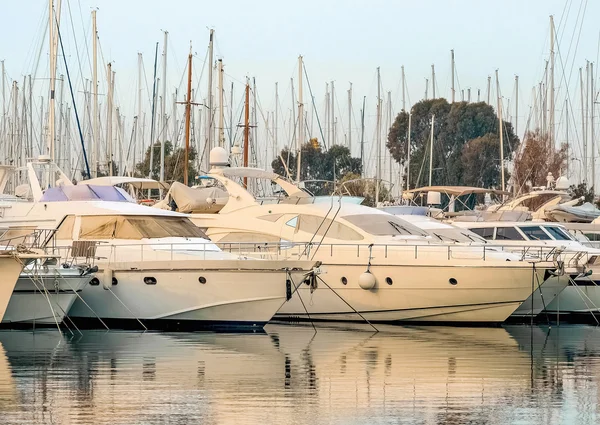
(375, 266)
(45, 292)
(545, 291)
(153, 265)
(579, 292)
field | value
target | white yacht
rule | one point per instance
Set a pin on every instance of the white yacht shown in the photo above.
(14, 256)
(375, 266)
(154, 266)
(581, 293)
(546, 290)
(46, 287)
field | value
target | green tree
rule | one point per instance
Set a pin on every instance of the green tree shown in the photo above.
(318, 164)
(174, 159)
(455, 125)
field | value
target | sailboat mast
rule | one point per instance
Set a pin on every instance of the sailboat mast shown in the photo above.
(246, 128)
(585, 170)
(408, 152)
(163, 119)
(221, 101)
(210, 93)
(431, 150)
(350, 119)
(378, 166)
(54, 20)
(300, 120)
(501, 131)
(551, 134)
(592, 144)
(362, 135)
(95, 150)
(109, 119)
(404, 90)
(275, 128)
(432, 81)
(188, 112)
(452, 71)
(517, 105)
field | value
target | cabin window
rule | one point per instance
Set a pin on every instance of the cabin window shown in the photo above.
(293, 222)
(326, 227)
(248, 237)
(558, 233)
(508, 234)
(384, 225)
(486, 233)
(535, 233)
(271, 217)
(137, 227)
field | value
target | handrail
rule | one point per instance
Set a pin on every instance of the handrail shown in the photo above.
(382, 253)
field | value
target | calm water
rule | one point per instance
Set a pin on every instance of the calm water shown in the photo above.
(290, 375)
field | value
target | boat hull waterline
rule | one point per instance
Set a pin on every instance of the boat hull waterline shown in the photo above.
(188, 296)
(416, 294)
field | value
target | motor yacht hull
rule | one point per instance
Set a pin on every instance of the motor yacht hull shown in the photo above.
(542, 297)
(10, 268)
(417, 293)
(580, 298)
(44, 296)
(188, 294)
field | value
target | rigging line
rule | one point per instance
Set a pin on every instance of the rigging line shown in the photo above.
(578, 38)
(89, 113)
(197, 91)
(87, 166)
(314, 106)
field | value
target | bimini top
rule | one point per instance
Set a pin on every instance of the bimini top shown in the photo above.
(85, 192)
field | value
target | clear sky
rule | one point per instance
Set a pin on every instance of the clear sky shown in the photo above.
(342, 41)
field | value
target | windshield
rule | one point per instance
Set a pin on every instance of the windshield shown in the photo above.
(137, 227)
(384, 225)
(558, 233)
(456, 235)
(535, 233)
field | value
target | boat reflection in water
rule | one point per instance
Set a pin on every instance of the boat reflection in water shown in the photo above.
(290, 374)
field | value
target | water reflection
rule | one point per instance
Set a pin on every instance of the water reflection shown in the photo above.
(290, 374)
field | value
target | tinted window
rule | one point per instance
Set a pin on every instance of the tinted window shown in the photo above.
(508, 234)
(557, 233)
(484, 232)
(384, 225)
(535, 233)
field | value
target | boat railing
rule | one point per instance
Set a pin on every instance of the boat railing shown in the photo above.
(376, 253)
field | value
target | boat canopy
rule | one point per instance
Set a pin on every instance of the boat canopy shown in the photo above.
(136, 182)
(85, 192)
(457, 190)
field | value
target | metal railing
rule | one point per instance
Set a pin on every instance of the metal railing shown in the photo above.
(377, 253)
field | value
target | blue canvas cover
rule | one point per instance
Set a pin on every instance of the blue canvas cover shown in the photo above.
(83, 193)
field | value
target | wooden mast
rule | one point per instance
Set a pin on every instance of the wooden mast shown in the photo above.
(246, 129)
(188, 109)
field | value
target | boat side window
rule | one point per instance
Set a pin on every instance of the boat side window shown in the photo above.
(384, 225)
(271, 217)
(292, 222)
(137, 227)
(508, 234)
(557, 233)
(486, 233)
(326, 227)
(535, 233)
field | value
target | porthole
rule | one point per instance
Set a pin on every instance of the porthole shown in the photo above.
(95, 281)
(344, 280)
(202, 280)
(149, 280)
(452, 281)
(389, 280)
(115, 281)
